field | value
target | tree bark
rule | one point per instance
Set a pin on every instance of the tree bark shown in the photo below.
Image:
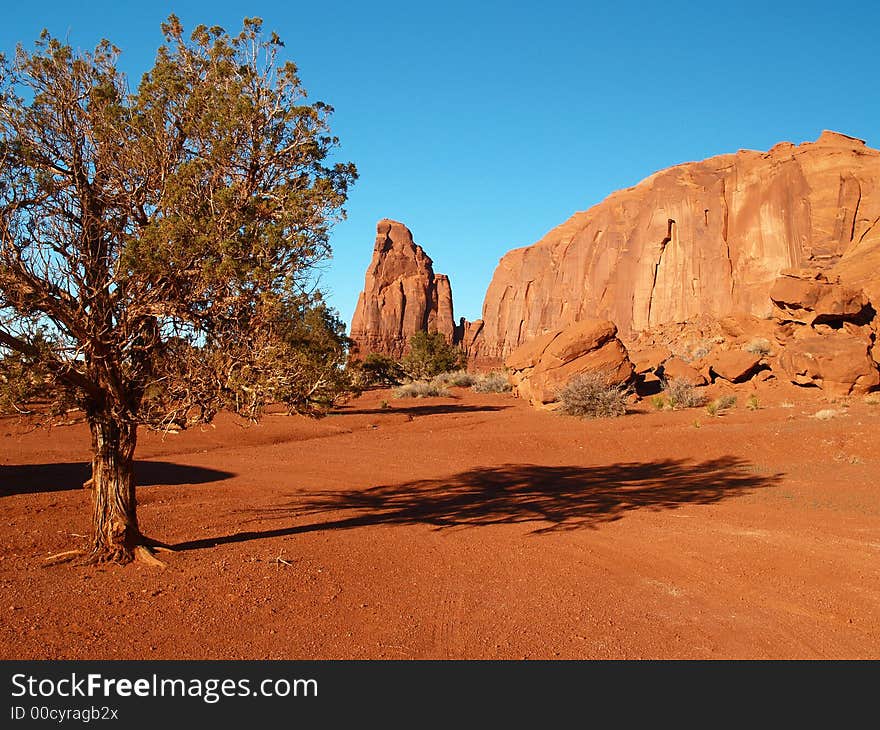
(115, 527)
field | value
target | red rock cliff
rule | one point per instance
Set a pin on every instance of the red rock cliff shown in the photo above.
(402, 295)
(702, 238)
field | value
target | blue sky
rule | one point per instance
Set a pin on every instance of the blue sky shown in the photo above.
(481, 125)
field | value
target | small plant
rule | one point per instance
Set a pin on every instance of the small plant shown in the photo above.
(872, 399)
(786, 404)
(758, 346)
(456, 378)
(384, 405)
(752, 402)
(719, 405)
(825, 415)
(681, 394)
(493, 382)
(697, 423)
(420, 389)
(660, 403)
(590, 395)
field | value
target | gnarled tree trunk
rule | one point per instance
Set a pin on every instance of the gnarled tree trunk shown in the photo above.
(116, 534)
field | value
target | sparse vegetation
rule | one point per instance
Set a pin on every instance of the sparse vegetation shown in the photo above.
(752, 402)
(826, 414)
(420, 389)
(786, 404)
(872, 399)
(720, 405)
(456, 378)
(492, 382)
(678, 394)
(758, 346)
(590, 395)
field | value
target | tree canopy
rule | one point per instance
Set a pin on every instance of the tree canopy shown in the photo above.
(158, 245)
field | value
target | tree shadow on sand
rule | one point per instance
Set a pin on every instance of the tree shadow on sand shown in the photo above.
(552, 498)
(419, 410)
(34, 478)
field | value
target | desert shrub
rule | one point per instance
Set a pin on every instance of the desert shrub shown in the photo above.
(590, 395)
(679, 393)
(492, 382)
(429, 355)
(825, 415)
(752, 402)
(376, 370)
(872, 399)
(420, 389)
(758, 346)
(719, 405)
(456, 378)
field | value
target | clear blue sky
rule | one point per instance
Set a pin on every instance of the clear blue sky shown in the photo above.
(481, 125)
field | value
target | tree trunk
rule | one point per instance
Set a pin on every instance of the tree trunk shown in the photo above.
(115, 527)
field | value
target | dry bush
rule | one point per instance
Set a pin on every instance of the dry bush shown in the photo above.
(420, 389)
(493, 382)
(677, 394)
(759, 346)
(456, 378)
(590, 395)
(719, 405)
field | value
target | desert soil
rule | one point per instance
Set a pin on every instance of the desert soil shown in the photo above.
(463, 527)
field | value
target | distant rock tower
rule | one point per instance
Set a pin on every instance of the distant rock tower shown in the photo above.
(402, 295)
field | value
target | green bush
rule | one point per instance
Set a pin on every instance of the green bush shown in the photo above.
(590, 395)
(429, 355)
(492, 382)
(376, 370)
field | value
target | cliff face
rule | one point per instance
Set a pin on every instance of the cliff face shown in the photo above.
(402, 295)
(700, 239)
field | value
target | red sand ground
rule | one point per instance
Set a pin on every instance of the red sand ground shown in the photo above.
(465, 527)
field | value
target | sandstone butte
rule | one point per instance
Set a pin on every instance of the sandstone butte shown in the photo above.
(402, 295)
(701, 239)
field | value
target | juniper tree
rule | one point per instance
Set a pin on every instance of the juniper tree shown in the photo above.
(158, 244)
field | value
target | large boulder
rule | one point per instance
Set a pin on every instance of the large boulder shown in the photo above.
(702, 238)
(541, 367)
(839, 362)
(677, 369)
(735, 366)
(402, 295)
(810, 297)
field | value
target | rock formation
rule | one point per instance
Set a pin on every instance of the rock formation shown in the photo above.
(541, 367)
(402, 295)
(704, 239)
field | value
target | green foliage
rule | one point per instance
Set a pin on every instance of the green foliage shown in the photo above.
(375, 370)
(429, 355)
(495, 381)
(590, 395)
(166, 237)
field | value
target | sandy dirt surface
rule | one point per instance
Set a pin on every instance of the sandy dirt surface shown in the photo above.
(462, 527)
